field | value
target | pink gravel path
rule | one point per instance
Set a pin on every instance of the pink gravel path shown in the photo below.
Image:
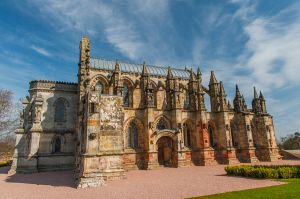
(162, 183)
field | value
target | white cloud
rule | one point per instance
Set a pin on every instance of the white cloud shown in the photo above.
(40, 50)
(271, 58)
(130, 28)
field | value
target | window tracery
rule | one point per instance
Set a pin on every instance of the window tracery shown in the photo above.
(126, 95)
(132, 135)
(161, 124)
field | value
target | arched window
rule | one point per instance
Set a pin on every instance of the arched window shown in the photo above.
(57, 145)
(161, 124)
(211, 136)
(99, 87)
(126, 95)
(186, 100)
(60, 110)
(133, 135)
(187, 135)
(233, 129)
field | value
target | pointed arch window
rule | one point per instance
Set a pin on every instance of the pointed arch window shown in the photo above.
(132, 135)
(187, 135)
(161, 124)
(60, 110)
(99, 87)
(126, 95)
(186, 100)
(211, 136)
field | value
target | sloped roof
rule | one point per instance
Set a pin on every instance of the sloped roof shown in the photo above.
(137, 68)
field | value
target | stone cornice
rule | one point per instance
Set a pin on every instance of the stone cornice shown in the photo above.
(51, 86)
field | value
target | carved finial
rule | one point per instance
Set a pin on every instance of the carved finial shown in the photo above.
(145, 68)
(222, 90)
(213, 79)
(255, 93)
(261, 96)
(237, 91)
(229, 105)
(198, 72)
(192, 75)
(169, 75)
(117, 66)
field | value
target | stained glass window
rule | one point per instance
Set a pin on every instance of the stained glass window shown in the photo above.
(186, 100)
(133, 135)
(126, 95)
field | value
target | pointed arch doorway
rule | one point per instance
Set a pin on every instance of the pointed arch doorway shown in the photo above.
(166, 151)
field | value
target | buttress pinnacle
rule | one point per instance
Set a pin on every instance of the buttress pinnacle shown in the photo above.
(213, 79)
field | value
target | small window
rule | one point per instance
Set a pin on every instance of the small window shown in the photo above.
(93, 107)
(126, 95)
(187, 135)
(133, 136)
(211, 136)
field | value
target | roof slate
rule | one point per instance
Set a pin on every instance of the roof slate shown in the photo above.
(137, 68)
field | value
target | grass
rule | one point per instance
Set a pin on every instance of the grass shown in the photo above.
(290, 190)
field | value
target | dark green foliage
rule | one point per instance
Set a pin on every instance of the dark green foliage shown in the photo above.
(290, 142)
(272, 172)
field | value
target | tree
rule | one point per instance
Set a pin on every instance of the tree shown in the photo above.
(5, 108)
(8, 123)
(9, 113)
(291, 141)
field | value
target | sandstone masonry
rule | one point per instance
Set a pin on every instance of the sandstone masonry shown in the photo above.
(122, 116)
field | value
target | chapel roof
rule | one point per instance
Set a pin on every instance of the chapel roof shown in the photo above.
(105, 64)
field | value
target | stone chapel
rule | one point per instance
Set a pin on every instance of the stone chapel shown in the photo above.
(121, 116)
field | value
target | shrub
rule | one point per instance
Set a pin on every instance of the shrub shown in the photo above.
(4, 164)
(262, 171)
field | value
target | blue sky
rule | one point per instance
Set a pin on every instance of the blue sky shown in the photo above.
(247, 42)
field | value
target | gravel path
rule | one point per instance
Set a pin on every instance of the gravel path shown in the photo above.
(162, 183)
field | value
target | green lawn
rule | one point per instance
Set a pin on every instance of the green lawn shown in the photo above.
(289, 191)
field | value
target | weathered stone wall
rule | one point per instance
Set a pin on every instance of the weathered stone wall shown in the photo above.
(168, 113)
(103, 158)
(38, 129)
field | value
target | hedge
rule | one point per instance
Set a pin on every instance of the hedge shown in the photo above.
(4, 164)
(262, 171)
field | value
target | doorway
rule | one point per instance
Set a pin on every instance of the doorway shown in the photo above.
(165, 147)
